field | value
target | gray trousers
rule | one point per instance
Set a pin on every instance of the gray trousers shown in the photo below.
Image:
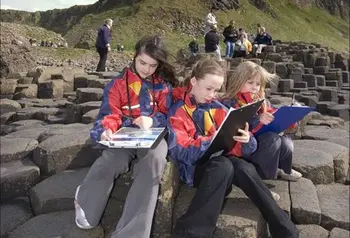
(136, 220)
(274, 152)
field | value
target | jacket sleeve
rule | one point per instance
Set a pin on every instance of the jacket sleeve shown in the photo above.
(165, 99)
(109, 114)
(105, 36)
(182, 147)
(245, 149)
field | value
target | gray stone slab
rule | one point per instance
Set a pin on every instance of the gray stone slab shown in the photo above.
(89, 94)
(13, 214)
(33, 133)
(8, 105)
(30, 123)
(53, 130)
(326, 134)
(305, 206)
(62, 152)
(17, 178)
(239, 218)
(90, 116)
(314, 165)
(312, 231)
(339, 153)
(56, 193)
(16, 148)
(339, 233)
(334, 203)
(56, 224)
(281, 188)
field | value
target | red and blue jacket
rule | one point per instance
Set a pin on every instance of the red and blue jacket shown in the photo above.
(128, 97)
(187, 143)
(242, 99)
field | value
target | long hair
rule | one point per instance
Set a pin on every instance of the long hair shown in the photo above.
(155, 48)
(242, 74)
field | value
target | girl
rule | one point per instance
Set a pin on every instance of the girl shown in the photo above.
(244, 47)
(192, 121)
(274, 154)
(139, 96)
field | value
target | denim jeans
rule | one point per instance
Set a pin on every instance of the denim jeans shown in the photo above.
(230, 48)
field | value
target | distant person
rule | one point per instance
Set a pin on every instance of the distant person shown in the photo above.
(210, 21)
(103, 43)
(262, 40)
(211, 41)
(193, 46)
(244, 46)
(258, 29)
(42, 43)
(231, 36)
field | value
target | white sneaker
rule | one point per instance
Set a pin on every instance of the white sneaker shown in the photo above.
(293, 176)
(80, 218)
(275, 196)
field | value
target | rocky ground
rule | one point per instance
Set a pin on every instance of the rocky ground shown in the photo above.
(45, 152)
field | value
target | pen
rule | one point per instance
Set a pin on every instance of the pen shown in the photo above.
(293, 99)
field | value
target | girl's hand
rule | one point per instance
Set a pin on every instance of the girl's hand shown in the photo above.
(266, 118)
(106, 135)
(245, 136)
(143, 122)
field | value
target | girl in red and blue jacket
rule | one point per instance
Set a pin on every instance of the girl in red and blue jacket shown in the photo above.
(193, 120)
(139, 97)
(275, 152)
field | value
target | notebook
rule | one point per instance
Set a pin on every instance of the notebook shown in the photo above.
(285, 116)
(234, 120)
(132, 137)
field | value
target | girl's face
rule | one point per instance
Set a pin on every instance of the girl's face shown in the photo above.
(145, 65)
(204, 89)
(252, 85)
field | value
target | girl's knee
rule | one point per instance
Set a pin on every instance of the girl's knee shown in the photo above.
(287, 143)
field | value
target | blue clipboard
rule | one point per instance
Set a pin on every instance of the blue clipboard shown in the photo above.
(285, 116)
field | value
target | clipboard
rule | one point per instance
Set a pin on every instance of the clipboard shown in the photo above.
(234, 120)
(135, 138)
(285, 116)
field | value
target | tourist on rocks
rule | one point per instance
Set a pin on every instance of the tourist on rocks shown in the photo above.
(139, 97)
(274, 155)
(231, 36)
(261, 40)
(193, 46)
(103, 43)
(210, 21)
(193, 119)
(211, 41)
(244, 47)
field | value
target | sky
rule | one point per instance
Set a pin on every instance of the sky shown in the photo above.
(41, 5)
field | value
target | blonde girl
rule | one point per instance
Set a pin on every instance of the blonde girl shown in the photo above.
(274, 155)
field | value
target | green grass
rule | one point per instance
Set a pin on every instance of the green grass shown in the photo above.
(148, 17)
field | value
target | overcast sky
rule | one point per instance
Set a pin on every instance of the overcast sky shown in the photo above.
(41, 5)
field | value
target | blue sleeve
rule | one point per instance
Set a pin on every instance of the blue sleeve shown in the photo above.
(250, 147)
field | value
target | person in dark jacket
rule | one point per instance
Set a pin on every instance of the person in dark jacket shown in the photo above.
(261, 40)
(211, 41)
(231, 36)
(103, 43)
(194, 48)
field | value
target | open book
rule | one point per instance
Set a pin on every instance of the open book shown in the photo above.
(131, 137)
(235, 119)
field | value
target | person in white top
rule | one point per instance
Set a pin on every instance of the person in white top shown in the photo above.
(210, 21)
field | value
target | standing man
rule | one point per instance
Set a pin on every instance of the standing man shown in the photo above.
(211, 41)
(103, 43)
(231, 36)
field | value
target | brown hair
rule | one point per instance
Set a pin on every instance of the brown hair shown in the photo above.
(243, 73)
(205, 66)
(155, 48)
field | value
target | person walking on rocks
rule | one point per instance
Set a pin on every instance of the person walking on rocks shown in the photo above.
(139, 97)
(211, 41)
(103, 43)
(193, 120)
(275, 152)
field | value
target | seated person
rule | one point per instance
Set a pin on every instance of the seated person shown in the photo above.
(193, 121)
(275, 153)
(261, 40)
(243, 46)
